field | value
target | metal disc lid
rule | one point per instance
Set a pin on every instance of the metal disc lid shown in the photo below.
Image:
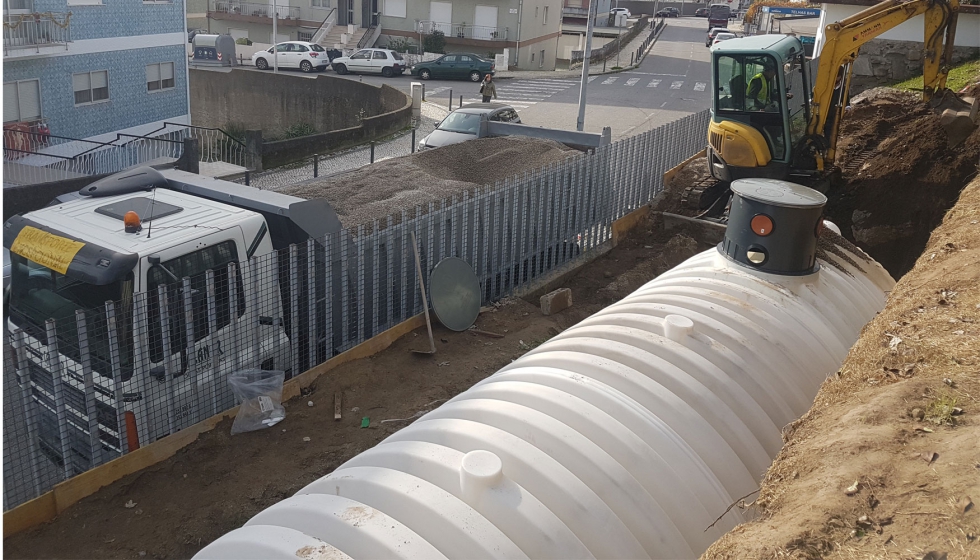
(455, 294)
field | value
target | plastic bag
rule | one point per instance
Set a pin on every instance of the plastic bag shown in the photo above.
(260, 392)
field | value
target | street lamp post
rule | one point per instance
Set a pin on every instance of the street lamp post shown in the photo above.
(275, 36)
(580, 124)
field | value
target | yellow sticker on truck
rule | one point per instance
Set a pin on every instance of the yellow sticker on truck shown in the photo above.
(46, 249)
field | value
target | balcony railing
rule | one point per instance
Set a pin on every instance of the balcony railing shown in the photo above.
(253, 9)
(36, 30)
(462, 31)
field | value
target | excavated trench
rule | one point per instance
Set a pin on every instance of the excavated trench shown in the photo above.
(900, 176)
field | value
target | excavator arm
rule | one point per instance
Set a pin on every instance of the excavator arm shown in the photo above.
(844, 38)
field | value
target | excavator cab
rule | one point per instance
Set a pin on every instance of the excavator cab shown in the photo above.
(760, 106)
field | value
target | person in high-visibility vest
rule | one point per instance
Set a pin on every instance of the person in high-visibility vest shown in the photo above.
(760, 94)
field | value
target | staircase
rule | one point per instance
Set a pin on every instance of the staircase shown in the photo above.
(333, 39)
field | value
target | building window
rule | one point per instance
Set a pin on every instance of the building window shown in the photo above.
(545, 19)
(22, 101)
(85, 3)
(160, 76)
(320, 3)
(532, 57)
(395, 8)
(541, 60)
(535, 12)
(305, 36)
(91, 87)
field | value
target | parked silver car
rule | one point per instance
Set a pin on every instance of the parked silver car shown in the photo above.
(464, 124)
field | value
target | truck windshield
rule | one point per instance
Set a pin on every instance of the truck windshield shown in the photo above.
(38, 293)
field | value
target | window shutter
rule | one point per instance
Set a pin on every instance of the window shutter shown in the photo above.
(29, 98)
(152, 73)
(10, 110)
(80, 82)
(100, 79)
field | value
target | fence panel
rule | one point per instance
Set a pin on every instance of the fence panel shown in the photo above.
(84, 388)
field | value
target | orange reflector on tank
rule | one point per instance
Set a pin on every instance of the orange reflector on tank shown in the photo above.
(132, 222)
(761, 225)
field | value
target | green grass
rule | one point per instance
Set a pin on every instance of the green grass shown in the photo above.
(959, 77)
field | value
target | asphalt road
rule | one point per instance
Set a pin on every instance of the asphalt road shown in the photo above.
(672, 82)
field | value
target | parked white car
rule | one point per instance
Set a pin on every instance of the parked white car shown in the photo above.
(293, 54)
(371, 61)
(615, 11)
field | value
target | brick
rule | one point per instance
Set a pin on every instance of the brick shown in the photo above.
(556, 301)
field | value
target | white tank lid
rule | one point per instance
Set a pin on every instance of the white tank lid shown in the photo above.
(778, 193)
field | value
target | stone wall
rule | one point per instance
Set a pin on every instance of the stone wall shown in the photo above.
(281, 152)
(272, 103)
(884, 61)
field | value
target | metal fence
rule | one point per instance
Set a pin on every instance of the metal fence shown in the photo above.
(31, 158)
(112, 370)
(36, 30)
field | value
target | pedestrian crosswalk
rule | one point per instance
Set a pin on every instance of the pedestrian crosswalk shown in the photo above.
(519, 94)
(522, 94)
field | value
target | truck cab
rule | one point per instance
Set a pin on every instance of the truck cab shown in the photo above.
(746, 136)
(128, 307)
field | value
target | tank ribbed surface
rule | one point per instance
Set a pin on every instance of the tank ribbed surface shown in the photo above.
(623, 437)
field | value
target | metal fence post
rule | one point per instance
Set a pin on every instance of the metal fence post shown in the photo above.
(413, 140)
(54, 368)
(112, 333)
(89, 384)
(27, 402)
(247, 178)
(450, 99)
(316, 165)
(372, 151)
(167, 368)
(190, 355)
(294, 308)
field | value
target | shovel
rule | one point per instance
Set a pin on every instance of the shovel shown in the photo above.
(425, 302)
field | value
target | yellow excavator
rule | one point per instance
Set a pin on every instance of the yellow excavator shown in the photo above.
(776, 114)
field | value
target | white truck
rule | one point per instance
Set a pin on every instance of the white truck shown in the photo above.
(107, 377)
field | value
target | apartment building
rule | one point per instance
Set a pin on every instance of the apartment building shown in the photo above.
(324, 21)
(530, 29)
(91, 69)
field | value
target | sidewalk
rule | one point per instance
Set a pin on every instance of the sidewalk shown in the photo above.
(399, 144)
(594, 69)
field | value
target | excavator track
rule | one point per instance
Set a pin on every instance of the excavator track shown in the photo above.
(703, 193)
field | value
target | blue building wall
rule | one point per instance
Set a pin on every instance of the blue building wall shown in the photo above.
(119, 18)
(129, 103)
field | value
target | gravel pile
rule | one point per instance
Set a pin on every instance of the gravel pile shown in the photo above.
(388, 187)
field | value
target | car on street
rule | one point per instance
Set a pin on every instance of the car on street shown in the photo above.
(668, 12)
(613, 12)
(711, 34)
(463, 66)
(722, 37)
(464, 123)
(386, 62)
(701, 12)
(293, 54)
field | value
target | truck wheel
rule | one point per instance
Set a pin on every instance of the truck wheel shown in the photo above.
(262, 64)
(340, 69)
(475, 76)
(386, 71)
(425, 74)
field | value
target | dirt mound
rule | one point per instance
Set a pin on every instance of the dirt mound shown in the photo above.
(376, 191)
(900, 176)
(884, 465)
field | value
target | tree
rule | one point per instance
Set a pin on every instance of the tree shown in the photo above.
(435, 42)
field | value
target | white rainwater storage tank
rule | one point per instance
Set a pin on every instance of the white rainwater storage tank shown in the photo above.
(624, 436)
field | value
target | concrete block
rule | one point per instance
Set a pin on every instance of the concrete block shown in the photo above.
(556, 301)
